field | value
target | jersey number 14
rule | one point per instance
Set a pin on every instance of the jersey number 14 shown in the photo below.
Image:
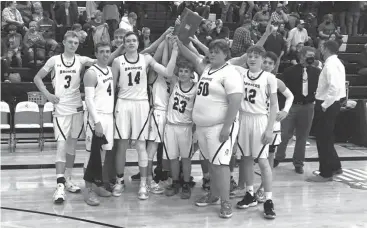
(136, 78)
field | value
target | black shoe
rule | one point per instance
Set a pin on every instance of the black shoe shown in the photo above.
(276, 163)
(135, 177)
(206, 184)
(269, 210)
(299, 169)
(338, 172)
(192, 183)
(247, 201)
(186, 191)
(173, 189)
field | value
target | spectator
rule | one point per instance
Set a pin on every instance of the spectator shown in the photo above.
(292, 19)
(25, 9)
(275, 43)
(4, 62)
(118, 38)
(327, 27)
(128, 23)
(262, 17)
(363, 62)
(14, 45)
(37, 12)
(34, 40)
(294, 55)
(353, 14)
(203, 33)
(66, 15)
(242, 10)
(11, 16)
(282, 31)
(91, 8)
(255, 33)
(227, 11)
(47, 27)
(363, 19)
(297, 35)
(279, 16)
(241, 39)
(219, 32)
(81, 33)
(336, 38)
(111, 15)
(341, 9)
(144, 38)
(96, 19)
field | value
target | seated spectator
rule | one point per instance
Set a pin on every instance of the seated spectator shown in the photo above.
(47, 27)
(283, 31)
(4, 62)
(14, 45)
(363, 62)
(327, 27)
(336, 38)
(144, 38)
(25, 9)
(219, 32)
(297, 35)
(292, 19)
(34, 40)
(11, 16)
(128, 23)
(37, 12)
(262, 17)
(241, 39)
(118, 38)
(275, 43)
(279, 16)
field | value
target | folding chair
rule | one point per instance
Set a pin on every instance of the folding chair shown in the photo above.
(47, 123)
(26, 121)
(5, 126)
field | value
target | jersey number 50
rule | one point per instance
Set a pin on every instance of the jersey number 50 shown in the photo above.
(203, 89)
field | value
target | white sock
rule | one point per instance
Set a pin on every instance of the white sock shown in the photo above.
(68, 172)
(143, 181)
(59, 175)
(206, 176)
(250, 189)
(268, 195)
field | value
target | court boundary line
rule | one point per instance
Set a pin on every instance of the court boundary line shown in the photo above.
(61, 216)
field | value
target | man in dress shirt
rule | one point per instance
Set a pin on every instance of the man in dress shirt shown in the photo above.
(301, 80)
(331, 88)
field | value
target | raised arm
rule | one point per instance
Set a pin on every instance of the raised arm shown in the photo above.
(42, 73)
(202, 46)
(190, 56)
(153, 47)
(160, 69)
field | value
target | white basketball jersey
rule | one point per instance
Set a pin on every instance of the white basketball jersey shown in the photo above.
(132, 82)
(104, 91)
(66, 82)
(257, 92)
(181, 104)
(160, 92)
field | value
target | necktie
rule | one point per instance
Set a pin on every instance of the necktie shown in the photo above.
(305, 82)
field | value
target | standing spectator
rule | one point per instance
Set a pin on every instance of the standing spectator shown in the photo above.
(353, 14)
(227, 11)
(11, 16)
(34, 41)
(37, 12)
(219, 32)
(330, 90)
(275, 43)
(262, 17)
(279, 16)
(241, 39)
(341, 9)
(66, 15)
(14, 45)
(47, 27)
(144, 38)
(128, 23)
(292, 19)
(255, 33)
(297, 35)
(91, 8)
(301, 80)
(363, 62)
(111, 15)
(363, 18)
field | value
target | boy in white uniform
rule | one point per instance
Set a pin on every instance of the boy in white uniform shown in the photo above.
(132, 107)
(99, 98)
(256, 127)
(178, 131)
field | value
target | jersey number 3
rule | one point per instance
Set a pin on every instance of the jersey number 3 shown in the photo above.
(136, 79)
(177, 107)
(250, 95)
(67, 79)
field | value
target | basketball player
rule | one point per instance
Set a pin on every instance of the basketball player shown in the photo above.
(68, 113)
(178, 131)
(256, 128)
(132, 107)
(99, 98)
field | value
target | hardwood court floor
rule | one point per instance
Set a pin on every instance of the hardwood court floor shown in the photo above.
(297, 203)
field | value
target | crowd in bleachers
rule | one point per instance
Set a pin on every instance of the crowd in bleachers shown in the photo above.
(32, 31)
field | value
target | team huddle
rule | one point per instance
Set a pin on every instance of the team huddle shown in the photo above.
(228, 104)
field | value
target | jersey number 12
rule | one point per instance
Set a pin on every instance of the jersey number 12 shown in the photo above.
(250, 95)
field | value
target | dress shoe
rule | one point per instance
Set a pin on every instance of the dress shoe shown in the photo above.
(319, 179)
(338, 172)
(299, 169)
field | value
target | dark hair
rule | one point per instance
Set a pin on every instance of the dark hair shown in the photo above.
(12, 28)
(331, 46)
(129, 34)
(306, 49)
(182, 63)
(222, 45)
(76, 26)
(8, 3)
(46, 14)
(101, 44)
(256, 49)
(272, 56)
(133, 15)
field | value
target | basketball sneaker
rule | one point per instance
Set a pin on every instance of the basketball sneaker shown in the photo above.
(90, 197)
(207, 200)
(260, 196)
(143, 193)
(186, 191)
(225, 210)
(118, 188)
(101, 191)
(269, 210)
(166, 183)
(237, 192)
(173, 189)
(70, 186)
(59, 195)
(155, 188)
(206, 184)
(135, 177)
(247, 201)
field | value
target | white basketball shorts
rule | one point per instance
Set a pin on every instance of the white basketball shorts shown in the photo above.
(157, 122)
(69, 126)
(108, 128)
(177, 141)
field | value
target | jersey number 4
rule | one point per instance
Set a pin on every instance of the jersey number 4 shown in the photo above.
(136, 79)
(179, 106)
(109, 90)
(250, 95)
(203, 89)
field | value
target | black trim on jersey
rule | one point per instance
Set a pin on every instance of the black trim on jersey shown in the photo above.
(276, 135)
(159, 135)
(81, 131)
(239, 146)
(62, 60)
(261, 151)
(191, 154)
(108, 71)
(254, 79)
(179, 85)
(132, 62)
(202, 154)
(226, 64)
(221, 145)
(154, 80)
(141, 131)
(58, 126)
(118, 132)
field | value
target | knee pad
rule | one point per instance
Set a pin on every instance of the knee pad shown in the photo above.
(60, 151)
